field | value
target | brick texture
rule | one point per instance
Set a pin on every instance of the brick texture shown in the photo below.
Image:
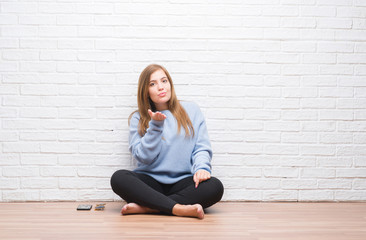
(281, 83)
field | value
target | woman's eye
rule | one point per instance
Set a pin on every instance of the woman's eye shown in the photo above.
(164, 81)
(152, 84)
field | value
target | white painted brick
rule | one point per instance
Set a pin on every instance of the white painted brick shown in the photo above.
(351, 173)
(75, 44)
(240, 195)
(8, 113)
(18, 7)
(329, 23)
(74, 19)
(318, 58)
(21, 147)
(261, 137)
(58, 148)
(296, 184)
(318, 103)
(289, 22)
(360, 161)
(360, 70)
(299, 137)
(293, 161)
(23, 195)
(11, 159)
(317, 173)
(316, 195)
(37, 20)
(359, 184)
(281, 103)
(349, 195)
(284, 126)
(344, 150)
(335, 161)
(96, 195)
(359, 138)
(57, 171)
(9, 183)
(21, 124)
(299, 115)
(38, 136)
(334, 184)
(303, 69)
(335, 138)
(336, 115)
(43, 67)
(37, 159)
(96, 172)
(301, 47)
(20, 55)
(38, 43)
(283, 195)
(355, 126)
(254, 183)
(299, 92)
(8, 20)
(77, 183)
(281, 172)
(76, 113)
(317, 34)
(58, 31)
(20, 171)
(236, 147)
(319, 150)
(58, 101)
(281, 149)
(57, 55)
(351, 12)
(9, 43)
(8, 67)
(360, 115)
(58, 195)
(76, 67)
(316, 11)
(335, 47)
(280, 82)
(38, 113)
(96, 148)
(318, 126)
(261, 115)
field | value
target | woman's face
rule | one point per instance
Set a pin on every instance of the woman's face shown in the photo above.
(159, 89)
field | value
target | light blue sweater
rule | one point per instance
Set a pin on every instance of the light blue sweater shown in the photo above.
(167, 156)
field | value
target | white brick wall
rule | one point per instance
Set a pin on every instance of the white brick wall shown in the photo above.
(282, 84)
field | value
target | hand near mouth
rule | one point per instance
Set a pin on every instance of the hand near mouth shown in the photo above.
(157, 116)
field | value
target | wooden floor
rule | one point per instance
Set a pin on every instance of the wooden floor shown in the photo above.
(226, 220)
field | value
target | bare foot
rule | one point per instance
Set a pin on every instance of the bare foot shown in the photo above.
(133, 208)
(195, 210)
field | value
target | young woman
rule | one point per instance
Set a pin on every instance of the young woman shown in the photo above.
(169, 140)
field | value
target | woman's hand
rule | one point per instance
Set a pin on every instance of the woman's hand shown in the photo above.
(157, 116)
(200, 176)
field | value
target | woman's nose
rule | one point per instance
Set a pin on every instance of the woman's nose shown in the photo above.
(160, 86)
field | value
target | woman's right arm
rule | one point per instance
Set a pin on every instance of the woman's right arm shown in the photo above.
(147, 148)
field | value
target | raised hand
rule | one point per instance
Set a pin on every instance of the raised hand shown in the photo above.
(200, 176)
(157, 116)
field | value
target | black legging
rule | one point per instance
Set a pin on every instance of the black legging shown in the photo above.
(146, 191)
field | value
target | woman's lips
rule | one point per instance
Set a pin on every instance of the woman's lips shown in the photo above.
(162, 94)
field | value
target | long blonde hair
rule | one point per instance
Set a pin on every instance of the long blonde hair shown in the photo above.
(144, 103)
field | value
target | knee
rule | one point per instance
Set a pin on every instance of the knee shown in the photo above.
(217, 188)
(118, 177)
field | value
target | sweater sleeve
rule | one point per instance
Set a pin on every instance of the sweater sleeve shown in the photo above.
(147, 148)
(202, 152)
